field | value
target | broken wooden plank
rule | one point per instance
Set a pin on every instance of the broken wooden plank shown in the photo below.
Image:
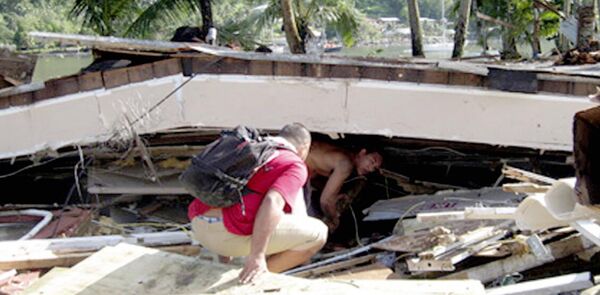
(375, 271)
(133, 181)
(554, 285)
(356, 251)
(526, 176)
(71, 258)
(443, 257)
(422, 239)
(465, 240)
(517, 263)
(129, 269)
(44, 253)
(447, 261)
(156, 152)
(525, 187)
(335, 266)
(53, 274)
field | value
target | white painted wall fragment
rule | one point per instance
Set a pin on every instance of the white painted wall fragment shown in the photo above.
(323, 105)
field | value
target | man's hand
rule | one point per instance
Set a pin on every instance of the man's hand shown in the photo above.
(332, 223)
(254, 267)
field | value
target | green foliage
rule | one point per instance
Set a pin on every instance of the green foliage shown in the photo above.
(105, 17)
(17, 18)
(5, 32)
(520, 14)
(382, 8)
(162, 12)
(399, 8)
(340, 16)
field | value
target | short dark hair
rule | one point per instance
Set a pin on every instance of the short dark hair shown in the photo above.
(296, 134)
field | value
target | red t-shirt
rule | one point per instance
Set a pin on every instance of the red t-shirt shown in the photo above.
(286, 173)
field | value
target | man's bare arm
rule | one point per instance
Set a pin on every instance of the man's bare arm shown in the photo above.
(268, 216)
(330, 194)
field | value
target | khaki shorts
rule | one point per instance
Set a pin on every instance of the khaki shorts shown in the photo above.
(294, 232)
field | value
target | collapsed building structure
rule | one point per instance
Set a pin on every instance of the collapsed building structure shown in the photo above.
(127, 125)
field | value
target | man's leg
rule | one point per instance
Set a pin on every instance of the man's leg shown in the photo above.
(288, 259)
(294, 241)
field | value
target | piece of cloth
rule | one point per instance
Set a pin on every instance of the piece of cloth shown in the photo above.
(293, 232)
(286, 173)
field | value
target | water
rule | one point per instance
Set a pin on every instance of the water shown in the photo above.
(434, 51)
(54, 65)
(438, 50)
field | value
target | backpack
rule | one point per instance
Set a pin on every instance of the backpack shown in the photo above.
(219, 174)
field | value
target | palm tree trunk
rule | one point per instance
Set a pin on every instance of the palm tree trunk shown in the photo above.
(460, 30)
(207, 20)
(291, 29)
(415, 29)
(509, 46)
(563, 42)
(587, 21)
(536, 47)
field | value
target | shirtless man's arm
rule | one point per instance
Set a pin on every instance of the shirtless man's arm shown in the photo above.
(331, 192)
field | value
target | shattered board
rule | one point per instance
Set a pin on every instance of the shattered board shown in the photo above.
(410, 206)
(128, 269)
(422, 240)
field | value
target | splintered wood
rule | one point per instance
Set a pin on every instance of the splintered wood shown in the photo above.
(128, 269)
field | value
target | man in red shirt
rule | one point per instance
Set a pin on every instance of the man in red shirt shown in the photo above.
(273, 231)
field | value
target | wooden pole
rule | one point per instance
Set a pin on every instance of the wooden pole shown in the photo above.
(415, 29)
(461, 28)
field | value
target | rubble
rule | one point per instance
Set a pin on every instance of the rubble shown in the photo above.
(457, 208)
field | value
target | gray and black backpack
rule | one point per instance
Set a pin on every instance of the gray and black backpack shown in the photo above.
(219, 174)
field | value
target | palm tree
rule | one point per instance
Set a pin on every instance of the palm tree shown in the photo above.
(113, 17)
(462, 23)
(339, 15)
(291, 29)
(587, 20)
(516, 23)
(171, 10)
(103, 16)
(416, 37)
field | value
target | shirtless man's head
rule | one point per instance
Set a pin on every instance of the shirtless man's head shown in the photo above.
(367, 162)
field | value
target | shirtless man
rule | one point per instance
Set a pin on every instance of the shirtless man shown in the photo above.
(337, 164)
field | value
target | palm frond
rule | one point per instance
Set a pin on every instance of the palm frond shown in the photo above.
(101, 15)
(161, 11)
